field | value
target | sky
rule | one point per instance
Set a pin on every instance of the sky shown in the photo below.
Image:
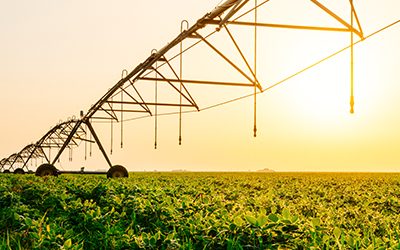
(60, 57)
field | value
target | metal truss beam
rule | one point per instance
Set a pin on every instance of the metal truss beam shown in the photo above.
(198, 82)
(284, 26)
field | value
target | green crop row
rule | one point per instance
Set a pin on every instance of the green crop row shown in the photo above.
(201, 211)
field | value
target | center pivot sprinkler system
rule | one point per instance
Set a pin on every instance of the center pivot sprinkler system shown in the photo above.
(164, 68)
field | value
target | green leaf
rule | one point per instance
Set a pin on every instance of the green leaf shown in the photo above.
(28, 221)
(294, 218)
(170, 236)
(325, 238)
(34, 235)
(273, 217)
(238, 221)
(69, 233)
(286, 214)
(350, 241)
(117, 200)
(251, 220)
(262, 220)
(98, 212)
(337, 232)
(316, 222)
(67, 243)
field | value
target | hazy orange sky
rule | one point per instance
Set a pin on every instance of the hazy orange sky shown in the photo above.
(60, 57)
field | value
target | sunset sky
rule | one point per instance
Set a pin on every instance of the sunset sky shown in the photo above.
(60, 57)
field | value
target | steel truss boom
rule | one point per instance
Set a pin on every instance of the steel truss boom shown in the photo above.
(55, 138)
(141, 69)
(125, 97)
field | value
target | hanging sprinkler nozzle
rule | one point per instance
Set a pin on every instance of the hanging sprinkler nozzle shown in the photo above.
(352, 104)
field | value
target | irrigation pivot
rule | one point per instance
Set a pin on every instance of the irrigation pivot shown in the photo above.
(128, 99)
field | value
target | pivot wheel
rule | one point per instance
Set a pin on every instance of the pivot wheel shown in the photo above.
(46, 170)
(117, 171)
(19, 171)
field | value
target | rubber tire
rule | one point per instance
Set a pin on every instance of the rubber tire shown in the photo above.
(7, 171)
(117, 171)
(46, 170)
(19, 171)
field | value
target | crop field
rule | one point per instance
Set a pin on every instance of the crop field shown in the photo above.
(201, 211)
